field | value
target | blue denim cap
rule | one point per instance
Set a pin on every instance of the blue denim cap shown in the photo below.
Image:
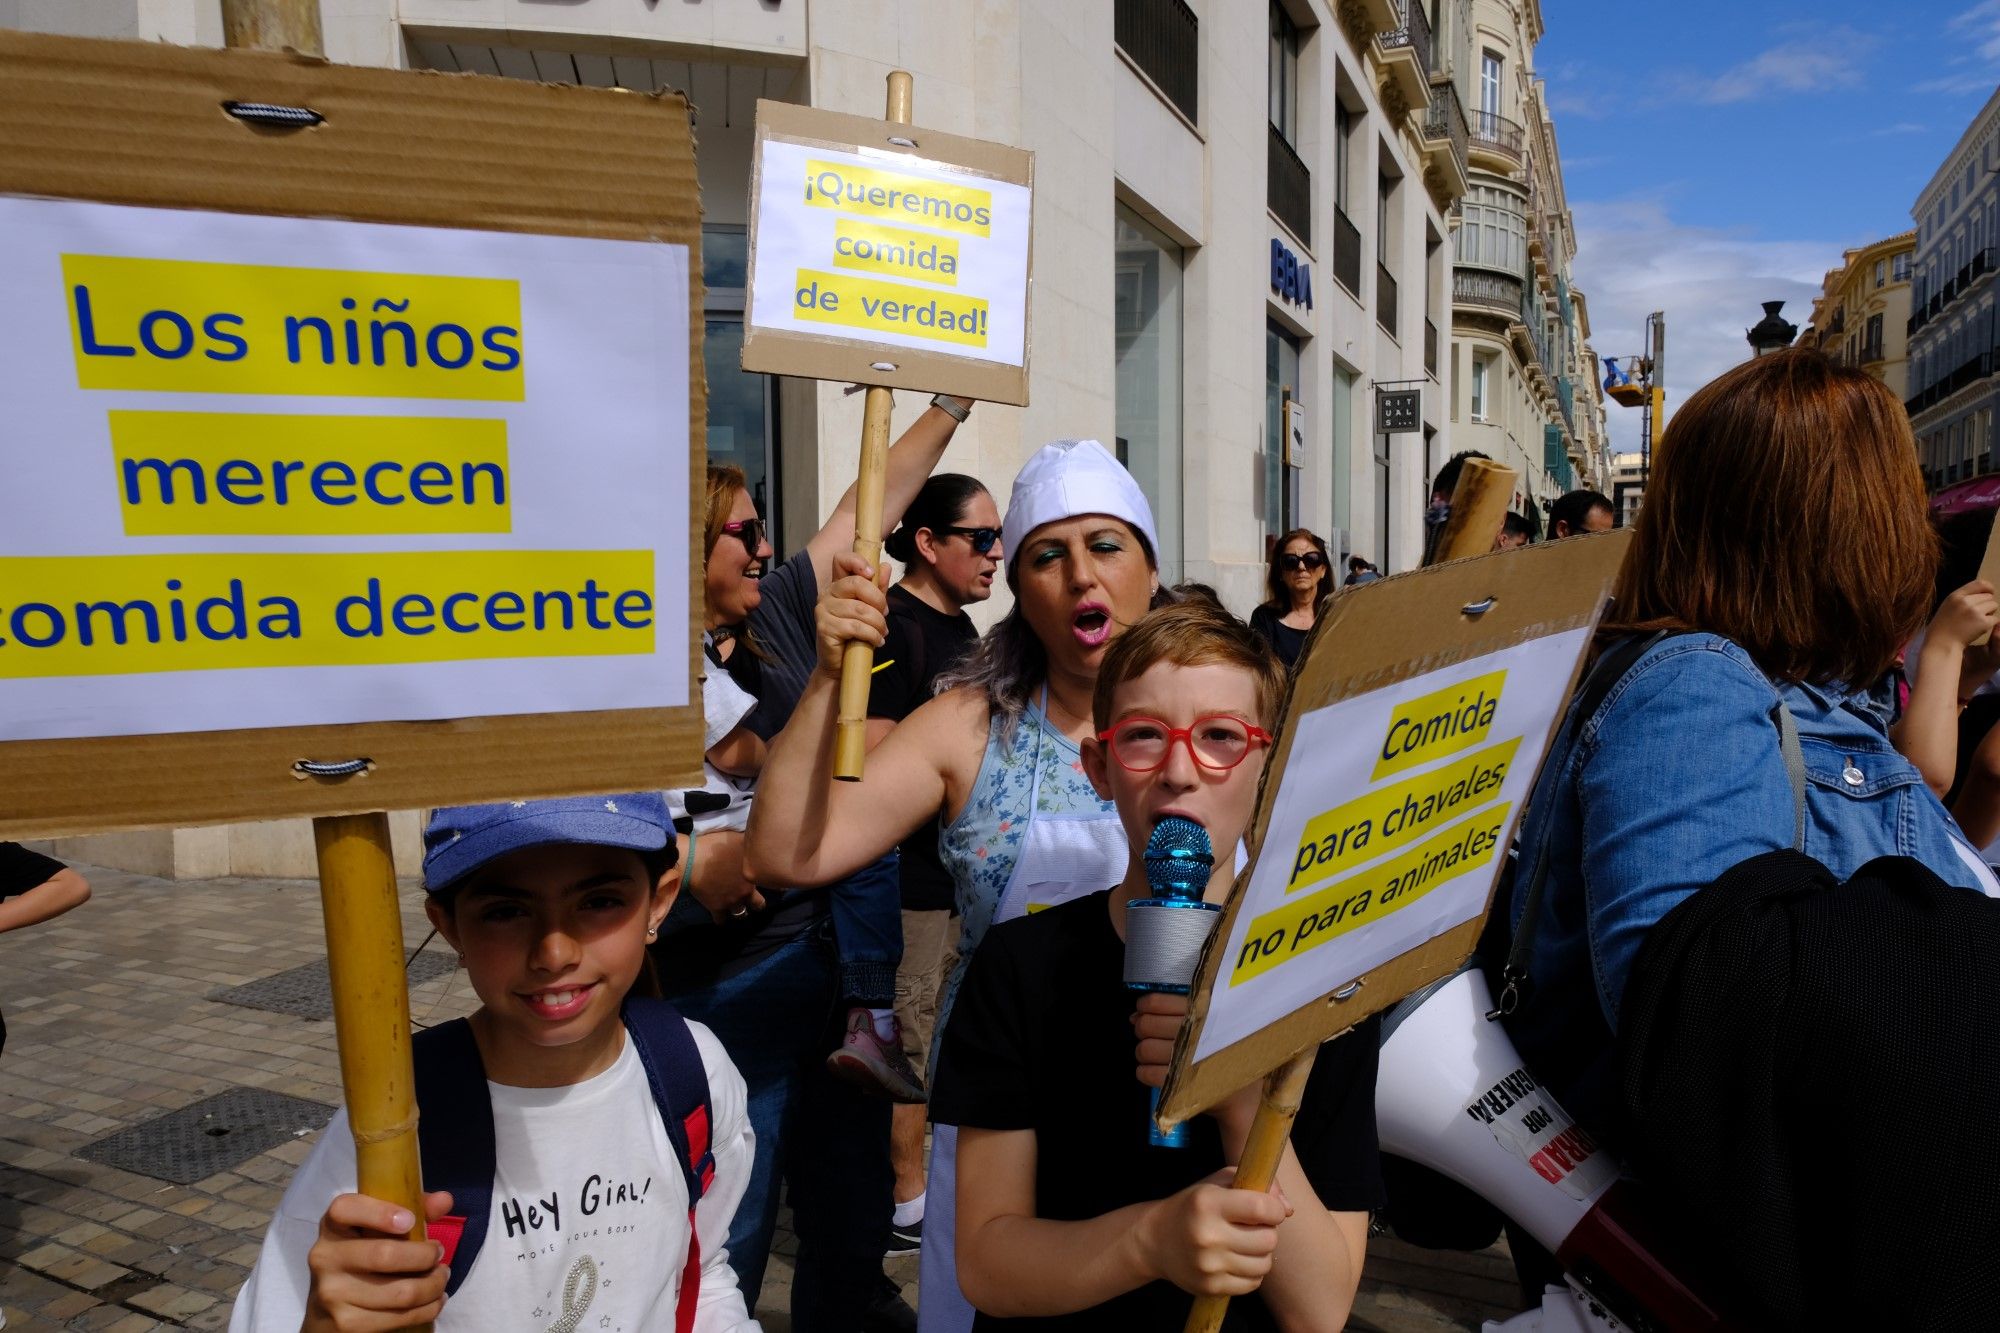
(462, 838)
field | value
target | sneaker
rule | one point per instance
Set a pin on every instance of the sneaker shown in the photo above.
(878, 1066)
(887, 1311)
(905, 1240)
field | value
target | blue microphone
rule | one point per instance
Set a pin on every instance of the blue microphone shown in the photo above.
(1164, 934)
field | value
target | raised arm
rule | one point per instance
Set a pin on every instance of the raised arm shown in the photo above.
(912, 459)
(805, 828)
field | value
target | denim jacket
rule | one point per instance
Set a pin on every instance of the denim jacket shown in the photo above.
(1676, 779)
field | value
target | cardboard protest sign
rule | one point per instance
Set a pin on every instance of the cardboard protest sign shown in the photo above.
(1415, 728)
(370, 438)
(888, 254)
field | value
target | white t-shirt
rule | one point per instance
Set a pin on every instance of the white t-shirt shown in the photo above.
(724, 705)
(588, 1229)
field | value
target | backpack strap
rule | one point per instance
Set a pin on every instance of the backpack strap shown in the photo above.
(1795, 768)
(679, 1081)
(455, 1140)
(1612, 666)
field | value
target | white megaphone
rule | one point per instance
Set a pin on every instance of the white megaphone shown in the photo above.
(1454, 1095)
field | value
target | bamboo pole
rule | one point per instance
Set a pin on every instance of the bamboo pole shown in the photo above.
(371, 1005)
(857, 663)
(1284, 1089)
(357, 870)
(1478, 507)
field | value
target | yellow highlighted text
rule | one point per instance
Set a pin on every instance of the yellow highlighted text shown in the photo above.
(119, 614)
(248, 474)
(1364, 828)
(889, 307)
(181, 326)
(900, 254)
(1441, 723)
(891, 195)
(1279, 936)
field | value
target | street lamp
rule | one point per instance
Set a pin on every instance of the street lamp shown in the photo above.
(1772, 334)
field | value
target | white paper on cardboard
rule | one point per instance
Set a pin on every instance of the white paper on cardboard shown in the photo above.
(884, 249)
(1388, 828)
(273, 471)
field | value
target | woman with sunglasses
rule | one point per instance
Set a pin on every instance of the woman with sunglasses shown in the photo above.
(950, 549)
(1299, 580)
(996, 752)
(766, 978)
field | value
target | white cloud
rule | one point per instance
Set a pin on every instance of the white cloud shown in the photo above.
(1822, 62)
(1900, 127)
(1974, 43)
(1634, 258)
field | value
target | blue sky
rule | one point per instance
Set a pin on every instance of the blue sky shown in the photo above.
(1722, 153)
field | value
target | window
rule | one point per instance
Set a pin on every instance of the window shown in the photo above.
(1873, 340)
(1281, 374)
(1881, 269)
(1489, 88)
(1494, 233)
(1385, 189)
(1479, 369)
(1284, 75)
(739, 401)
(1343, 130)
(1147, 305)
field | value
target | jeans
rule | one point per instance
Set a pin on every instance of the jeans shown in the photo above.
(777, 1020)
(868, 929)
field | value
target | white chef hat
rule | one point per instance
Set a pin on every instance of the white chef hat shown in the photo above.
(1069, 478)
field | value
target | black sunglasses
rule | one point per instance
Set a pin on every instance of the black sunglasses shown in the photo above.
(750, 530)
(982, 539)
(1309, 560)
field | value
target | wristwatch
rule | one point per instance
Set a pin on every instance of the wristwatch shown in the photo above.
(958, 409)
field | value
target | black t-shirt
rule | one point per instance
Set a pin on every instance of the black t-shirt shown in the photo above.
(1285, 641)
(923, 644)
(1041, 1039)
(21, 869)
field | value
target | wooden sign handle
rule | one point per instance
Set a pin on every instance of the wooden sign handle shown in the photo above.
(357, 871)
(1284, 1089)
(1478, 508)
(857, 663)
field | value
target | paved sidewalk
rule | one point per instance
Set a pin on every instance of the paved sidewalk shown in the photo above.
(110, 1024)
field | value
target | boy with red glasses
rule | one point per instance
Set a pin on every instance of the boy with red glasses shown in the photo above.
(1068, 1217)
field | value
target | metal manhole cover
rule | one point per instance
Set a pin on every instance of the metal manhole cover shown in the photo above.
(211, 1135)
(306, 992)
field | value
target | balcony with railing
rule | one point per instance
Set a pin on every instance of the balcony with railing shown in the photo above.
(1486, 288)
(1982, 262)
(1971, 372)
(1288, 186)
(1346, 253)
(1385, 300)
(1163, 38)
(1407, 55)
(1496, 143)
(1871, 353)
(1446, 138)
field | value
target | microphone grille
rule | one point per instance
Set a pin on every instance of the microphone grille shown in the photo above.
(1178, 858)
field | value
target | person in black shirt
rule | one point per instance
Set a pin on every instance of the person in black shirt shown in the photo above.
(1068, 1219)
(950, 549)
(1299, 580)
(34, 888)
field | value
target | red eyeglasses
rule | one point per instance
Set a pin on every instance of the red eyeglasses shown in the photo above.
(1218, 742)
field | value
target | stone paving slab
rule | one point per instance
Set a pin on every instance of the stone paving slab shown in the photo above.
(111, 1022)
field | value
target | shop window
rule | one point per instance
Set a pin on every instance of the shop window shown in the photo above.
(1148, 409)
